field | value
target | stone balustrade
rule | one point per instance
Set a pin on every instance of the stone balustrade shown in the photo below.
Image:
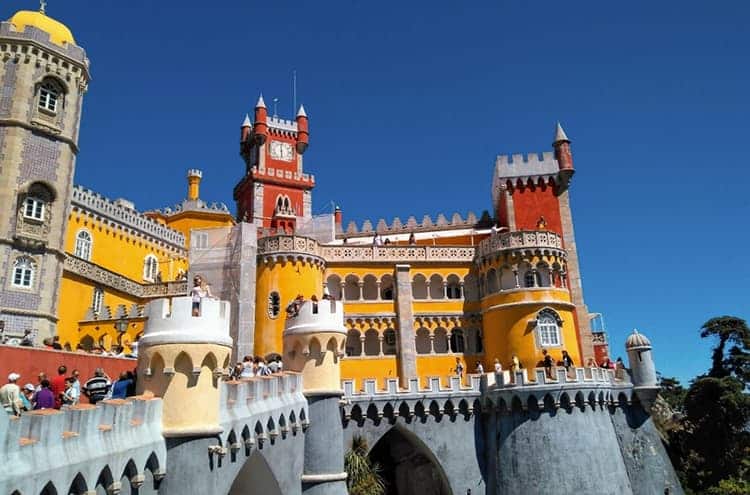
(397, 254)
(520, 240)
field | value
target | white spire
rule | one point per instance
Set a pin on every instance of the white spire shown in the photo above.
(261, 103)
(560, 134)
(301, 111)
(246, 122)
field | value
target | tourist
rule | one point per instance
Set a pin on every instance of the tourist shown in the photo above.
(515, 365)
(547, 363)
(592, 363)
(567, 361)
(10, 395)
(262, 367)
(236, 373)
(199, 291)
(459, 368)
(70, 396)
(619, 369)
(76, 376)
(28, 338)
(45, 397)
(314, 300)
(412, 239)
(121, 386)
(97, 387)
(274, 366)
(40, 377)
(387, 241)
(480, 368)
(58, 385)
(27, 397)
(606, 363)
(56, 344)
(247, 367)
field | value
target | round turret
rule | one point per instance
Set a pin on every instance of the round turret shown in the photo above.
(180, 358)
(260, 131)
(303, 135)
(314, 340)
(642, 368)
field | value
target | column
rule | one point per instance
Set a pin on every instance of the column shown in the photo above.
(406, 350)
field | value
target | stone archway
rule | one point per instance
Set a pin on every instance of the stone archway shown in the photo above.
(255, 478)
(408, 466)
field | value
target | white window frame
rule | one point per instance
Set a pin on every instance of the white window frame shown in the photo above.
(150, 268)
(49, 97)
(24, 269)
(199, 240)
(83, 245)
(33, 208)
(549, 331)
(97, 300)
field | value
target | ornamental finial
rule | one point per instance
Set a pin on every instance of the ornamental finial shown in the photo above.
(42, 6)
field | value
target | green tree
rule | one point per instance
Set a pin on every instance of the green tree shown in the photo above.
(735, 332)
(363, 476)
(672, 391)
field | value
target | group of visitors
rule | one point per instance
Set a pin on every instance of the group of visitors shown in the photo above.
(256, 366)
(377, 240)
(293, 308)
(63, 390)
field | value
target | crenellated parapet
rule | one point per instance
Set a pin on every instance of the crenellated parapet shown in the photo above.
(397, 226)
(582, 387)
(290, 248)
(83, 449)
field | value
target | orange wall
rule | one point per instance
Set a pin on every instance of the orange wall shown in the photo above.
(30, 361)
(530, 203)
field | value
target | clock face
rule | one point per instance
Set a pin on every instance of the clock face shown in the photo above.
(281, 151)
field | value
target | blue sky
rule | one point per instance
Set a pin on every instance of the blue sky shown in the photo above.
(409, 103)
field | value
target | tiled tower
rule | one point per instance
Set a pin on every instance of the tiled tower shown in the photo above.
(43, 76)
(275, 190)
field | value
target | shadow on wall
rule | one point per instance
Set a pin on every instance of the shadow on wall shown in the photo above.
(255, 478)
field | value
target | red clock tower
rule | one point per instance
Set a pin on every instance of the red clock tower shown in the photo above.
(275, 191)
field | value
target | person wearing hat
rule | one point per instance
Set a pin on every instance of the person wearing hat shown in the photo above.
(10, 395)
(27, 397)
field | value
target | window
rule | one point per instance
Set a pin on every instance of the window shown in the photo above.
(274, 304)
(200, 240)
(549, 331)
(83, 245)
(97, 300)
(150, 268)
(457, 340)
(49, 96)
(529, 279)
(33, 208)
(23, 272)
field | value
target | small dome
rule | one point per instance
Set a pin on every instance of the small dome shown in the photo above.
(58, 32)
(636, 339)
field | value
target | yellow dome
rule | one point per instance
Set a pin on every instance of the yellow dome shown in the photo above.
(58, 32)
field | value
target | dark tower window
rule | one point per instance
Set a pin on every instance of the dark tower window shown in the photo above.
(274, 304)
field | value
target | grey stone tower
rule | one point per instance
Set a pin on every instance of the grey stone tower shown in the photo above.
(642, 368)
(43, 76)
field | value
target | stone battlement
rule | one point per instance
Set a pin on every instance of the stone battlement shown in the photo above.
(87, 200)
(518, 165)
(174, 323)
(33, 34)
(74, 449)
(412, 225)
(323, 316)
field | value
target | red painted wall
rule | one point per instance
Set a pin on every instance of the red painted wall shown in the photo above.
(30, 361)
(271, 191)
(530, 203)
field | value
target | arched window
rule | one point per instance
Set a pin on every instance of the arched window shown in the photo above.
(97, 300)
(544, 275)
(83, 245)
(491, 281)
(372, 343)
(23, 272)
(386, 287)
(334, 286)
(529, 279)
(507, 279)
(457, 340)
(548, 325)
(50, 96)
(353, 343)
(389, 342)
(423, 344)
(351, 288)
(370, 288)
(274, 304)
(453, 289)
(150, 268)
(419, 287)
(436, 287)
(440, 341)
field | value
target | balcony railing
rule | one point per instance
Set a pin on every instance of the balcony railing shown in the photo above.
(523, 239)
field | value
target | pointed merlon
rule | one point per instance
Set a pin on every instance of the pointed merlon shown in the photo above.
(246, 122)
(261, 103)
(301, 111)
(560, 134)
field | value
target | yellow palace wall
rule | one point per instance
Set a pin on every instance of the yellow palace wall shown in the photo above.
(120, 252)
(185, 222)
(508, 326)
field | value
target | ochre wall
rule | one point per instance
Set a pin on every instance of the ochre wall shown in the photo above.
(288, 278)
(114, 249)
(530, 203)
(507, 329)
(76, 299)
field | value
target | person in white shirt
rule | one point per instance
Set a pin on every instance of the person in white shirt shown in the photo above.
(200, 290)
(10, 395)
(498, 366)
(480, 368)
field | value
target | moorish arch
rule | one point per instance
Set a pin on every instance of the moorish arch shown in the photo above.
(408, 465)
(255, 478)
